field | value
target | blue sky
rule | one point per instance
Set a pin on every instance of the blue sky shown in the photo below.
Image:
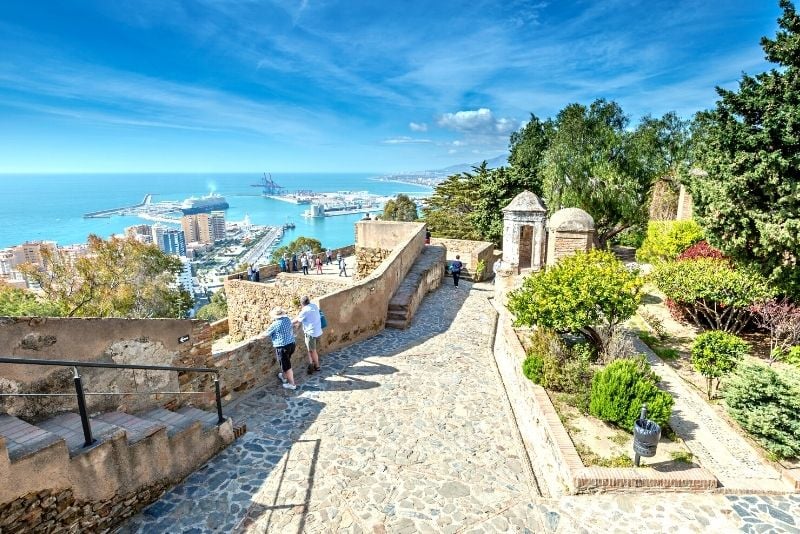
(252, 85)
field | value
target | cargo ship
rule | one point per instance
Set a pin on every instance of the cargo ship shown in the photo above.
(205, 204)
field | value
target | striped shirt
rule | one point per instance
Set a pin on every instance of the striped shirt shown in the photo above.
(281, 332)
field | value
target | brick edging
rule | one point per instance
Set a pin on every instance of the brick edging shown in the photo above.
(537, 418)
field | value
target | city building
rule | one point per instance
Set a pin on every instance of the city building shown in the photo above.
(184, 278)
(197, 228)
(71, 253)
(140, 232)
(173, 241)
(157, 234)
(31, 252)
(217, 223)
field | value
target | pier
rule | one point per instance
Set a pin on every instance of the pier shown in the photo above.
(148, 198)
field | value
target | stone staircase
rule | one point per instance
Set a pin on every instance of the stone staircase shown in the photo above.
(424, 276)
(133, 459)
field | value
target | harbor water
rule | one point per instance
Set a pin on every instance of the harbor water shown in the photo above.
(51, 207)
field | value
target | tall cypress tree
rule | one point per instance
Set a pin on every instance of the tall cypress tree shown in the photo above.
(748, 195)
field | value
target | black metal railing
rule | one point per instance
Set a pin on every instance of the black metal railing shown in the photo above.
(81, 395)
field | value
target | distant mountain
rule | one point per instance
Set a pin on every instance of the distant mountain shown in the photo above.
(432, 177)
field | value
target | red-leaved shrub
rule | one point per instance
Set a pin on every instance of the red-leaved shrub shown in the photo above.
(701, 249)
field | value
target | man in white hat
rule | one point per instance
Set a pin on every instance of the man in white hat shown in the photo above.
(282, 335)
(312, 330)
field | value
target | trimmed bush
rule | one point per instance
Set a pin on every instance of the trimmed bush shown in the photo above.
(701, 249)
(710, 293)
(533, 368)
(767, 405)
(715, 354)
(619, 390)
(666, 239)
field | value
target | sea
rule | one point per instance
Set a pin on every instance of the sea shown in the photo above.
(51, 206)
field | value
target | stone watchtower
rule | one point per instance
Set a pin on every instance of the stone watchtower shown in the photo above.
(524, 233)
(569, 230)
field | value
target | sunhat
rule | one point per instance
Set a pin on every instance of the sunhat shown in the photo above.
(276, 312)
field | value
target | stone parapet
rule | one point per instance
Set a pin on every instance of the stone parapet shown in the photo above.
(369, 259)
(471, 253)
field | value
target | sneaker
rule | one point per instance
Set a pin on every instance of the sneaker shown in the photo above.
(287, 385)
(316, 368)
(282, 378)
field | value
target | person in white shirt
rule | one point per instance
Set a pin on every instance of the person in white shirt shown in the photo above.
(498, 265)
(312, 330)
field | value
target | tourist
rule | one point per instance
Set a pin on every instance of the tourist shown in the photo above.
(342, 265)
(294, 262)
(304, 263)
(282, 263)
(251, 273)
(282, 336)
(427, 237)
(312, 330)
(455, 270)
(498, 266)
(319, 264)
(329, 256)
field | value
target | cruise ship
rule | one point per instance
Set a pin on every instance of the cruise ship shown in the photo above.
(204, 204)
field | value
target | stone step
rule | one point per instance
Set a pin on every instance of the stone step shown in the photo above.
(398, 306)
(397, 316)
(136, 427)
(69, 427)
(398, 325)
(23, 439)
(207, 419)
(175, 422)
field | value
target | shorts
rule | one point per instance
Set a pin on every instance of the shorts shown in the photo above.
(311, 342)
(284, 355)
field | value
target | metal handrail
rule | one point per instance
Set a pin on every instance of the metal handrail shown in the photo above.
(81, 395)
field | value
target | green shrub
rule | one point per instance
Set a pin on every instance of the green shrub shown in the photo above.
(619, 390)
(631, 237)
(533, 368)
(710, 293)
(591, 293)
(715, 354)
(666, 239)
(767, 405)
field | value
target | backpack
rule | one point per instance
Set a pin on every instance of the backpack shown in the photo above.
(322, 320)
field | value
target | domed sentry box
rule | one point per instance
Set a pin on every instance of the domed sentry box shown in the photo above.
(646, 434)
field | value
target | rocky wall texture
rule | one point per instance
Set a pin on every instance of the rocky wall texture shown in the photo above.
(249, 303)
(59, 511)
(110, 340)
(369, 259)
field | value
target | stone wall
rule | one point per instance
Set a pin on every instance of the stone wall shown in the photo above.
(60, 511)
(685, 205)
(471, 253)
(142, 341)
(562, 244)
(249, 303)
(369, 259)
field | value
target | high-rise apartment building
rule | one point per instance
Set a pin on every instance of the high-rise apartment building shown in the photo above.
(197, 228)
(31, 252)
(184, 278)
(140, 232)
(217, 221)
(173, 241)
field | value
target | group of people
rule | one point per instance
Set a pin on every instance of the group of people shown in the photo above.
(308, 260)
(281, 332)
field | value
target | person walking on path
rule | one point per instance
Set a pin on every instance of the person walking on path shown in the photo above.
(319, 264)
(329, 256)
(282, 263)
(294, 262)
(282, 336)
(342, 265)
(455, 270)
(312, 330)
(498, 266)
(304, 263)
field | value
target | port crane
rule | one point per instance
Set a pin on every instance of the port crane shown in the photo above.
(269, 186)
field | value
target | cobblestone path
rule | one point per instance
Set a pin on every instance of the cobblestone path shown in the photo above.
(409, 432)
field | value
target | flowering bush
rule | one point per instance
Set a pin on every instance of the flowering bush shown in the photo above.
(701, 249)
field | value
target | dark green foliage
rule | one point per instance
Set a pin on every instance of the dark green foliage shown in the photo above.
(747, 196)
(710, 292)
(216, 309)
(298, 246)
(527, 148)
(715, 354)
(581, 293)
(16, 302)
(400, 208)
(767, 405)
(447, 211)
(666, 239)
(620, 389)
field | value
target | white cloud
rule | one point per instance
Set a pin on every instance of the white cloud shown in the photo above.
(477, 122)
(405, 140)
(418, 126)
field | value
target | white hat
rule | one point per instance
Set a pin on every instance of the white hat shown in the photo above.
(276, 312)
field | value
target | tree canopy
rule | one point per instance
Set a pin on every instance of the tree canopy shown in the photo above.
(747, 194)
(216, 309)
(117, 278)
(298, 246)
(400, 208)
(16, 302)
